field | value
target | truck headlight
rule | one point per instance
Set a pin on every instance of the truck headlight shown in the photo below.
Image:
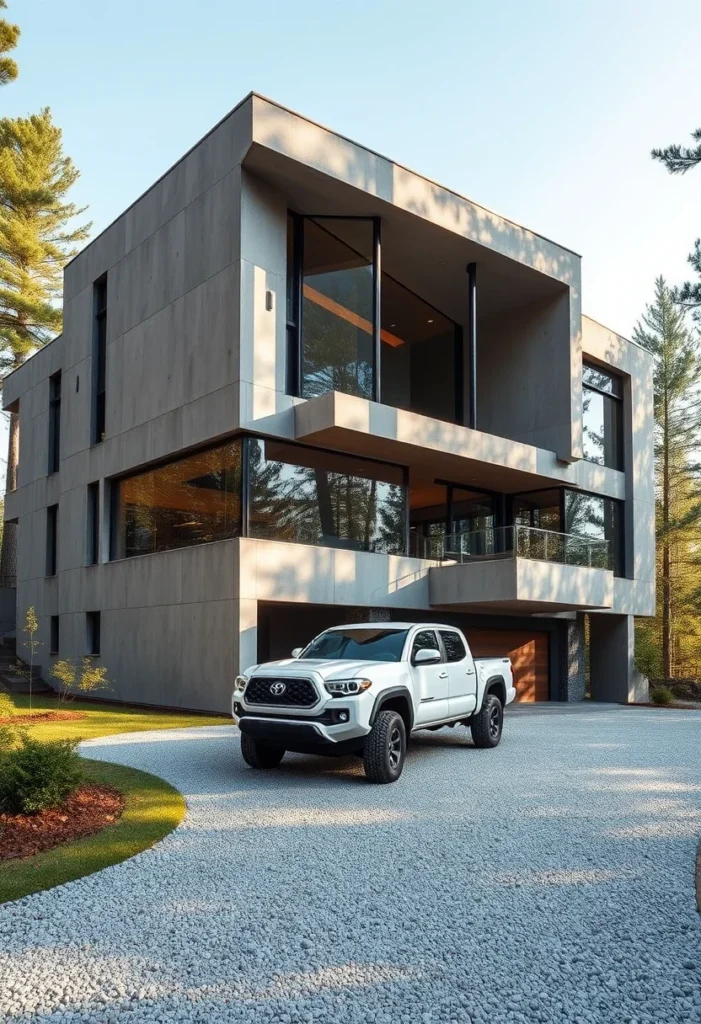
(347, 687)
(241, 683)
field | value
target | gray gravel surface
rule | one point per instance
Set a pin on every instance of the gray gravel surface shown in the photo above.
(548, 880)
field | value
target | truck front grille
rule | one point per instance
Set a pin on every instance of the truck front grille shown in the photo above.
(288, 693)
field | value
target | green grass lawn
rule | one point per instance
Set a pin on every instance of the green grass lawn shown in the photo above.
(152, 810)
(105, 719)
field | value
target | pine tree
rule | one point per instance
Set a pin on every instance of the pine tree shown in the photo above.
(677, 375)
(9, 36)
(36, 241)
(678, 160)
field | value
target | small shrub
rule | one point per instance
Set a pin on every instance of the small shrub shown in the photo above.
(661, 695)
(86, 677)
(35, 775)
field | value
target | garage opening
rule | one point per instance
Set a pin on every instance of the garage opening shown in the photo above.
(529, 655)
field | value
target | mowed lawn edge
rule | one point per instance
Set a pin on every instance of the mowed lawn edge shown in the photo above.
(153, 808)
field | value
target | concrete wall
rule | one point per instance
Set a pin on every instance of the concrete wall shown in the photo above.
(524, 355)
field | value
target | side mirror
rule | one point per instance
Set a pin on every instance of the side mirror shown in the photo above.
(296, 651)
(426, 656)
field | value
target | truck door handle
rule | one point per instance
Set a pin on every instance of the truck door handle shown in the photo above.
(443, 675)
(470, 671)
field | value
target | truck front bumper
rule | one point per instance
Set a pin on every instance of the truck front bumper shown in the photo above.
(324, 733)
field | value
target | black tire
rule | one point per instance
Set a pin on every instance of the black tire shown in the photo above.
(385, 748)
(487, 725)
(260, 755)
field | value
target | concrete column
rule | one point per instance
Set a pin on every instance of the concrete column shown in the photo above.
(245, 634)
(575, 683)
(614, 676)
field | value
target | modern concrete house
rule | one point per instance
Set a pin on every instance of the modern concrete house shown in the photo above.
(300, 385)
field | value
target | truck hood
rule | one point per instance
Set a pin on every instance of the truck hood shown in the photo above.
(337, 669)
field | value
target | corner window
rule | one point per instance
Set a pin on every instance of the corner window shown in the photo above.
(593, 517)
(602, 417)
(54, 422)
(92, 633)
(51, 540)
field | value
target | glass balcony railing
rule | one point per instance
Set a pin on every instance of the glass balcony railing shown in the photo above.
(527, 542)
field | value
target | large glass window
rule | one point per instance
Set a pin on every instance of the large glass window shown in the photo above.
(337, 308)
(420, 349)
(602, 417)
(540, 509)
(190, 501)
(315, 497)
(597, 518)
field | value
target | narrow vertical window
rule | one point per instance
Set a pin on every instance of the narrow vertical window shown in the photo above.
(54, 638)
(51, 539)
(92, 632)
(54, 422)
(99, 359)
(93, 523)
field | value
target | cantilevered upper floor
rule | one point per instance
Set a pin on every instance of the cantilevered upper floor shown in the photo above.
(289, 337)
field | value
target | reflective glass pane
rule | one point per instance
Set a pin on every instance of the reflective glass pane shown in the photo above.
(602, 380)
(193, 500)
(539, 508)
(313, 497)
(589, 516)
(337, 309)
(418, 354)
(601, 428)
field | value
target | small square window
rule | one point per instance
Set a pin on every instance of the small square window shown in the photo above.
(54, 640)
(92, 632)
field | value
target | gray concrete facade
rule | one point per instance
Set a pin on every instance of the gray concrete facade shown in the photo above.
(197, 351)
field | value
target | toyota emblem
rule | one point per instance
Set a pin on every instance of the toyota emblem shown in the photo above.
(278, 688)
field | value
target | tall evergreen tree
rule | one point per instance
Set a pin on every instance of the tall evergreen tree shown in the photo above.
(678, 160)
(36, 241)
(677, 376)
(9, 36)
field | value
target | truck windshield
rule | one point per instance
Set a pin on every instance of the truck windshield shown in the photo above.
(353, 644)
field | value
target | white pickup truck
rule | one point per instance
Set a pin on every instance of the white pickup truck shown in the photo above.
(364, 689)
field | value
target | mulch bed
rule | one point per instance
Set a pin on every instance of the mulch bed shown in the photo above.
(42, 716)
(90, 809)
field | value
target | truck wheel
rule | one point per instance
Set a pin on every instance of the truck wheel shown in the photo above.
(260, 755)
(385, 748)
(486, 726)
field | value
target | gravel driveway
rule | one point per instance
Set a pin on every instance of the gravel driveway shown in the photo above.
(548, 880)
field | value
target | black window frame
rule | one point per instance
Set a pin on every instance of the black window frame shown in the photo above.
(615, 396)
(93, 634)
(51, 540)
(54, 635)
(54, 422)
(92, 554)
(99, 361)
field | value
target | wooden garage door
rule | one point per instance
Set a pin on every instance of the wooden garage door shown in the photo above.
(529, 657)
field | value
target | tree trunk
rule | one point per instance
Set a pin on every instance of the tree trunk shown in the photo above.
(8, 551)
(666, 575)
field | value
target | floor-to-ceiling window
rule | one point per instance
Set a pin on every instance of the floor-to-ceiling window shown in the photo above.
(602, 417)
(337, 308)
(597, 518)
(354, 329)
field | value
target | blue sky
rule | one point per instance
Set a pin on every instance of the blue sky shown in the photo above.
(544, 111)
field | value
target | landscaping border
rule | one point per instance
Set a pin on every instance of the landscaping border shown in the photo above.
(153, 808)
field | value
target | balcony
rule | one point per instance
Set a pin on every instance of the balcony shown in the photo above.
(520, 568)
